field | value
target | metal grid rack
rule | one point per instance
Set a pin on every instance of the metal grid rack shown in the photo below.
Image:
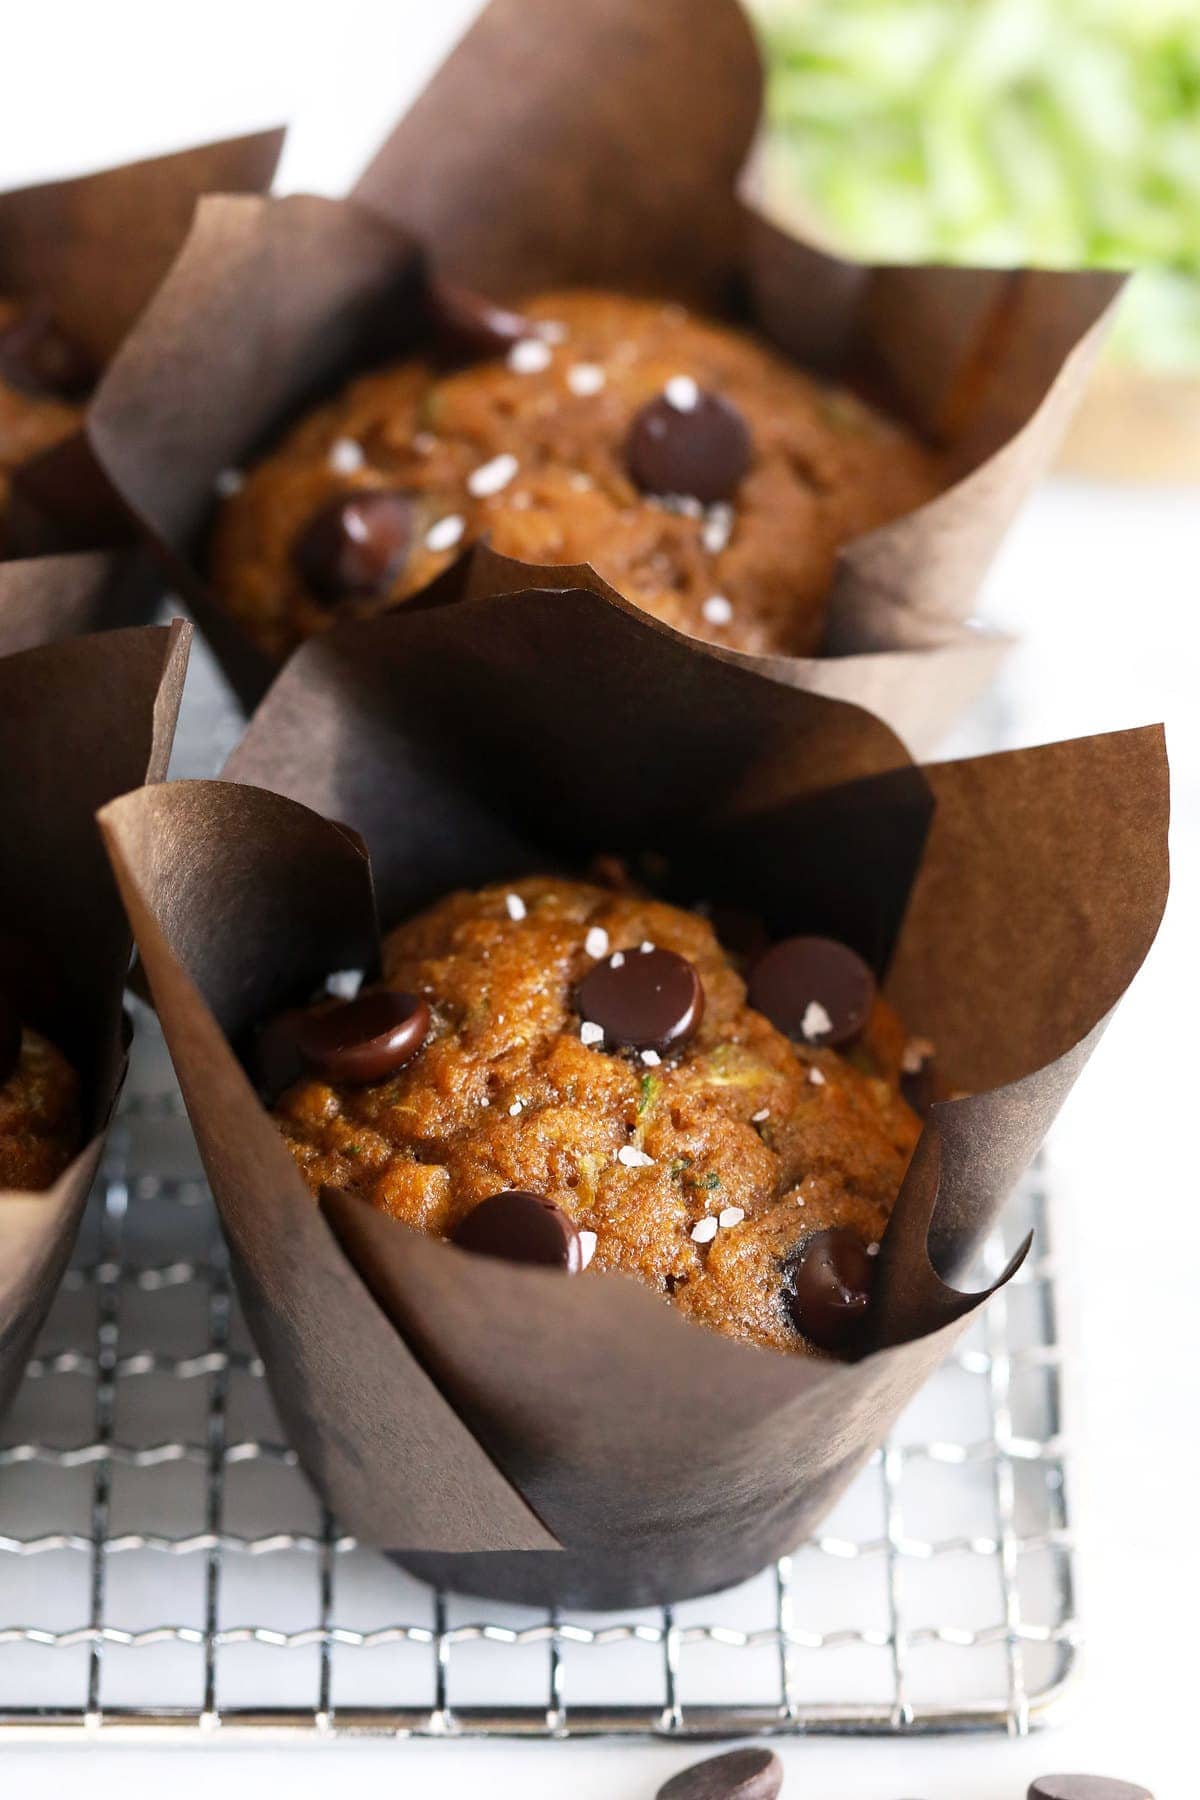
(163, 1563)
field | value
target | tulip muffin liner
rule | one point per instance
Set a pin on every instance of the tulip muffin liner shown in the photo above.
(576, 1440)
(608, 153)
(94, 248)
(80, 722)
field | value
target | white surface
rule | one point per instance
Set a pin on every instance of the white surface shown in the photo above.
(1103, 585)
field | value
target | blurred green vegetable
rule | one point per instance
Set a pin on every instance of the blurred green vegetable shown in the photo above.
(1056, 132)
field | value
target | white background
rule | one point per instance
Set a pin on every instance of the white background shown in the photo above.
(1104, 586)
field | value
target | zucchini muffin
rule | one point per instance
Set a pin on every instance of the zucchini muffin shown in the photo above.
(704, 476)
(39, 1106)
(42, 379)
(555, 1072)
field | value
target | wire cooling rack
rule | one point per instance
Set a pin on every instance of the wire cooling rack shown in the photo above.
(164, 1563)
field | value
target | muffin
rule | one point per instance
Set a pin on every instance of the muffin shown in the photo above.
(557, 1072)
(39, 1106)
(704, 476)
(43, 378)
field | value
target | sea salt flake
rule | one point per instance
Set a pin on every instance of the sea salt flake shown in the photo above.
(596, 942)
(490, 477)
(229, 482)
(345, 983)
(345, 456)
(704, 1231)
(516, 1107)
(585, 378)
(617, 960)
(530, 356)
(916, 1054)
(591, 1034)
(587, 1248)
(645, 946)
(816, 1077)
(552, 331)
(872, 1249)
(583, 484)
(816, 1021)
(730, 1216)
(651, 1058)
(446, 533)
(682, 393)
(355, 525)
(718, 528)
(633, 1158)
(764, 1112)
(514, 906)
(717, 610)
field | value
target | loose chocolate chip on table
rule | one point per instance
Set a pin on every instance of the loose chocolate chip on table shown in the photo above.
(10, 1038)
(751, 1774)
(470, 325)
(642, 999)
(829, 1288)
(356, 546)
(522, 1228)
(701, 449)
(363, 1040)
(37, 357)
(1085, 1787)
(814, 989)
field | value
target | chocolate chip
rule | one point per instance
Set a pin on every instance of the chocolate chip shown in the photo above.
(468, 324)
(1085, 1787)
(356, 546)
(37, 357)
(751, 1774)
(814, 989)
(828, 1288)
(694, 443)
(10, 1038)
(521, 1228)
(363, 1040)
(642, 999)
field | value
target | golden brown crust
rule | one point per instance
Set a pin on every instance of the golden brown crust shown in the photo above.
(39, 1116)
(825, 469)
(29, 423)
(506, 1095)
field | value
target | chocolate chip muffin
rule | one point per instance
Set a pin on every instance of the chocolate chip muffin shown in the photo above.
(556, 1072)
(42, 379)
(39, 1106)
(702, 475)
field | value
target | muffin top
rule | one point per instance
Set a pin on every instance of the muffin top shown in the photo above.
(562, 1043)
(39, 1106)
(704, 476)
(40, 375)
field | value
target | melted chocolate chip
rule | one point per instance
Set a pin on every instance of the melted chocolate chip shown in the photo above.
(467, 324)
(363, 1040)
(356, 546)
(39, 358)
(523, 1228)
(701, 449)
(828, 1288)
(814, 989)
(754, 1773)
(1085, 1787)
(642, 999)
(10, 1038)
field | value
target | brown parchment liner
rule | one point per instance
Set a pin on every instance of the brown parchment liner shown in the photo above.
(94, 248)
(450, 1404)
(605, 147)
(80, 722)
